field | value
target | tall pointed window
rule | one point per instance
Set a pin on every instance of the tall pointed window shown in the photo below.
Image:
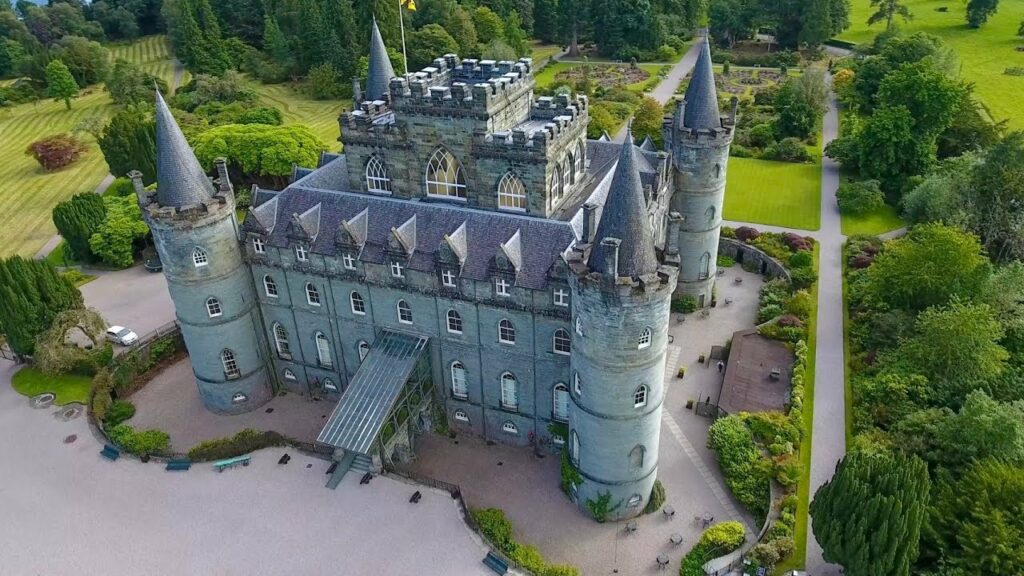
(227, 358)
(511, 192)
(570, 166)
(567, 173)
(560, 402)
(281, 341)
(270, 286)
(444, 175)
(364, 349)
(323, 350)
(580, 157)
(506, 332)
(199, 257)
(377, 179)
(557, 183)
(459, 388)
(213, 307)
(562, 342)
(705, 266)
(645, 339)
(509, 394)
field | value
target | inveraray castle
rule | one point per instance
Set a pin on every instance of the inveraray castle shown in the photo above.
(470, 249)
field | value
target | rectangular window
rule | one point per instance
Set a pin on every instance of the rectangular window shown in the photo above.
(257, 246)
(448, 278)
(300, 254)
(397, 270)
(501, 286)
(561, 297)
(348, 261)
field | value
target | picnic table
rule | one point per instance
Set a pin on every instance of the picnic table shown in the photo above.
(669, 512)
(662, 561)
(676, 538)
(630, 526)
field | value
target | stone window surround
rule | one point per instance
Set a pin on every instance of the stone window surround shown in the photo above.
(230, 363)
(644, 341)
(561, 342)
(377, 178)
(199, 257)
(459, 384)
(213, 308)
(270, 286)
(461, 416)
(451, 183)
(356, 302)
(258, 246)
(509, 427)
(509, 392)
(640, 396)
(506, 331)
(404, 312)
(312, 295)
(281, 341)
(556, 414)
(454, 322)
(323, 350)
(560, 297)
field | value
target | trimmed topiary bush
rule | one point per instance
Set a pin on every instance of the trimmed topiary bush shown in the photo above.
(246, 441)
(141, 443)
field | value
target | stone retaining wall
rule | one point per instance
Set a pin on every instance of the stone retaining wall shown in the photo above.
(752, 258)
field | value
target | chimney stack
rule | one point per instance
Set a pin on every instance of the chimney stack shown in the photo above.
(611, 265)
(589, 222)
(675, 221)
(223, 181)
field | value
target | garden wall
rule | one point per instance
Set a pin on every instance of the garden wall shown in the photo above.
(752, 258)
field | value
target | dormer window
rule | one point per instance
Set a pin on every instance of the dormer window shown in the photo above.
(257, 246)
(448, 277)
(377, 179)
(300, 253)
(502, 287)
(199, 257)
(348, 261)
(561, 296)
(397, 270)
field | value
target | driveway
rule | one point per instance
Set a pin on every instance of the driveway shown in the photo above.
(68, 511)
(133, 298)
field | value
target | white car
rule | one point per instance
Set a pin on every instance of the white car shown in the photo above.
(121, 335)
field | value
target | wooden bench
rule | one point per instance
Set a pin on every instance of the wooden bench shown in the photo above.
(496, 564)
(178, 464)
(110, 453)
(221, 465)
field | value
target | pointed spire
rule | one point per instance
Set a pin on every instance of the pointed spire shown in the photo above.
(625, 217)
(701, 111)
(381, 72)
(181, 180)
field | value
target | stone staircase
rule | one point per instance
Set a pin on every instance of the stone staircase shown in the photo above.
(359, 463)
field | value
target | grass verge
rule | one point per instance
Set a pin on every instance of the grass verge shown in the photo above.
(67, 387)
(798, 558)
(774, 193)
(876, 222)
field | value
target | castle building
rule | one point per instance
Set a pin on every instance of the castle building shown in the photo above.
(471, 254)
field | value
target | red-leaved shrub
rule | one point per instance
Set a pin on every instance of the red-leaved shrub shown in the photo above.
(56, 151)
(746, 233)
(795, 242)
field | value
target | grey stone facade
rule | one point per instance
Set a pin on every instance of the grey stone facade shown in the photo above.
(468, 212)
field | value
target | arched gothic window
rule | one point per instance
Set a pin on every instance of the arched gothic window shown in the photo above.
(705, 266)
(227, 358)
(213, 307)
(570, 166)
(580, 157)
(709, 214)
(511, 192)
(562, 342)
(567, 176)
(459, 389)
(640, 396)
(199, 257)
(509, 394)
(323, 350)
(645, 339)
(444, 175)
(506, 332)
(270, 286)
(636, 457)
(377, 179)
(560, 402)
(281, 341)
(558, 183)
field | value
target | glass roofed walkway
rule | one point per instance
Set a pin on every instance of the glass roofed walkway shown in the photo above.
(391, 386)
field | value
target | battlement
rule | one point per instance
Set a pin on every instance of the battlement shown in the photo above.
(552, 120)
(210, 209)
(674, 131)
(451, 84)
(645, 288)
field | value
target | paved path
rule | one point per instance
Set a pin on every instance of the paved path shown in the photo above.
(666, 88)
(69, 512)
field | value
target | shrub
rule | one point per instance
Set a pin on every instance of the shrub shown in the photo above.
(120, 187)
(58, 151)
(762, 135)
(601, 507)
(716, 541)
(569, 474)
(797, 243)
(146, 442)
(725, 261)
(666, 53)
(244, 442)
(800, 304)
(118, 412)
(745, 473)
(102, 384)
(801, 260)
(657, 498)
(493, 524)
(788, 150)
(803, 278)
(684, 304)
(747, 234)
(496, 528)
(860, 197)
(728, 232)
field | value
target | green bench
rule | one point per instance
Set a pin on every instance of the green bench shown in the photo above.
(496, 564)
(178, 464)
(110, 453)
(221, 465)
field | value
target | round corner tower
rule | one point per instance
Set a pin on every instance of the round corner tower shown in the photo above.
(620, 310)
(699, 139)
(196, 235)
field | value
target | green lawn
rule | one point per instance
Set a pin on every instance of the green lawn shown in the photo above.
(151, 53)
(798, 558)
(875, 222)
(541, 52)
(773, 193)
(68, 388)
(984, 53)
(320, 115)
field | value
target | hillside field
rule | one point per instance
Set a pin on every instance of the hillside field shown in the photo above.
(984, 53)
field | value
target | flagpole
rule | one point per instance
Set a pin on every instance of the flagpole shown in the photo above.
(401, 23)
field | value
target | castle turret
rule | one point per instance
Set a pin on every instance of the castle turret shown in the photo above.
(380, 70)
(196, 234)
(620, 309)
(698, 138)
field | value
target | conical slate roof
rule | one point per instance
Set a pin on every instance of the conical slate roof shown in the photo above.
(380, 72)
(625, 217)
(181, 180)
(701, 112)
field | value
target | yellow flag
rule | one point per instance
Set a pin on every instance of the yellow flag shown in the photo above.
(409, 4)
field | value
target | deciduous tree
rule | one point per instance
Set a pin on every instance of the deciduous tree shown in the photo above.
(59, 82)
(259, 151)
(978, 11)
(887, 10)
(114, 241)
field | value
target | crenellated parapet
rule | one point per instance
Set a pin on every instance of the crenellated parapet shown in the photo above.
(213, 208)
(554, 124)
